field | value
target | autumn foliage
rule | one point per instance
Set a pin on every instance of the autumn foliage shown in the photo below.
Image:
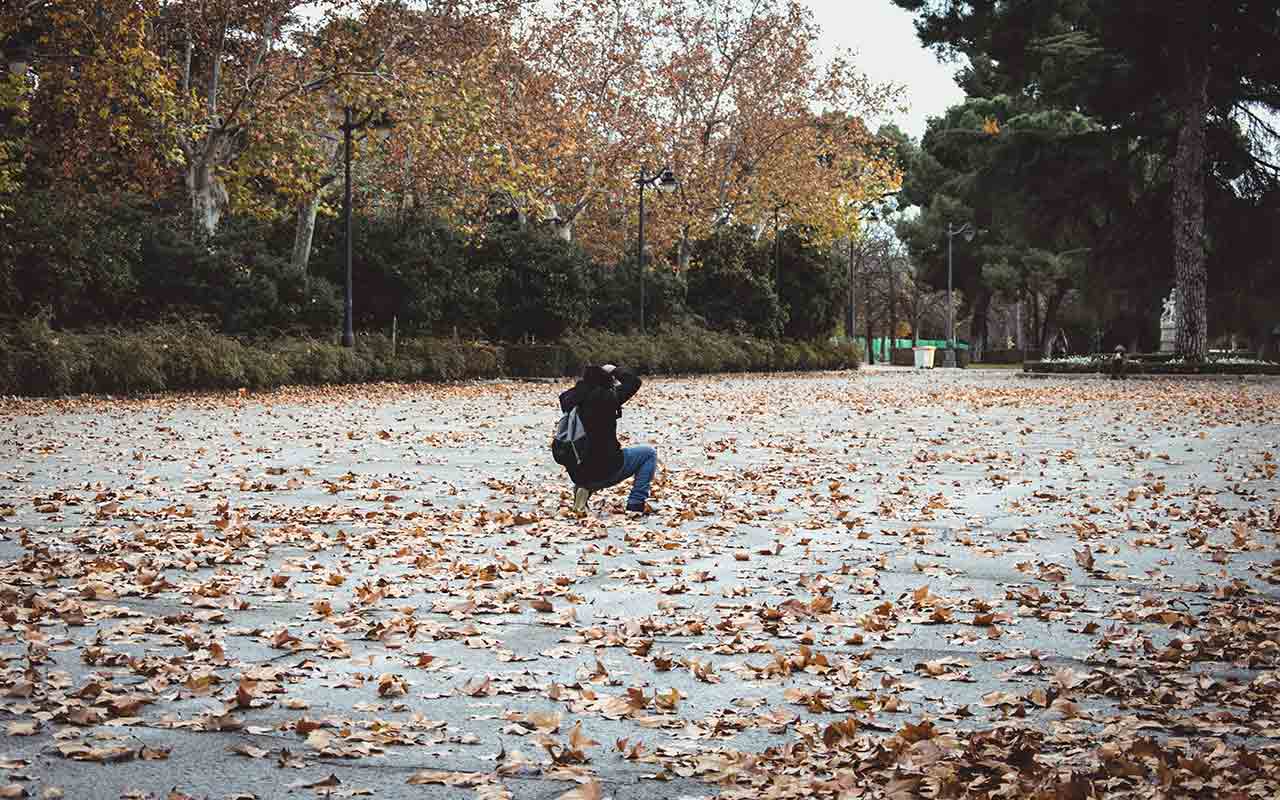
(542, 111)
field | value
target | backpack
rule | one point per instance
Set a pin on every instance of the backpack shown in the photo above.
(569, 445)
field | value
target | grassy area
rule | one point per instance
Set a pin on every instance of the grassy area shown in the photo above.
(995, 366)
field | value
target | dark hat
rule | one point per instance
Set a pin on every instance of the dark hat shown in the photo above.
(595, 375)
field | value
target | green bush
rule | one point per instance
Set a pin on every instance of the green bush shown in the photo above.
(811, 286)
(74, 259)
(125, 363)
(265, 369)
(1100, 366)
(731, 285)
(311, 361)
(685, 349)
(41, 361)
(545, 285)
(616, 305)
(194, 357)
(38, 360)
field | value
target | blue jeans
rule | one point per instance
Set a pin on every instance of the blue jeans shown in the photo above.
(641, 462)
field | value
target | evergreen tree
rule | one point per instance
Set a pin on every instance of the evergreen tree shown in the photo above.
(1176, 93)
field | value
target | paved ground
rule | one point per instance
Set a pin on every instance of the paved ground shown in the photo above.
(383, 591)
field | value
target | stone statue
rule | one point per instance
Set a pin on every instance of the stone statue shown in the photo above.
(1170, 314)
(1169, 323)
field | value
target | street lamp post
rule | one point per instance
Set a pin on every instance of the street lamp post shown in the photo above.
(967, 231)
(664, 181)
(849, 318)
(777, 236)
(382, 122)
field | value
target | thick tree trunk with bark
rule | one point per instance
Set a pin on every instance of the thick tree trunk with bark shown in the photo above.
(893, 313)
(1188, 216)
(1047, 333)
(981, 322)
(866, 293)
(208, 197)
(304, 232)
(684, 252)
(305, 229)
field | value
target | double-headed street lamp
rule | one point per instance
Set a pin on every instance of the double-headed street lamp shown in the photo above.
(664, 181)
(967, 231)
(380, 121)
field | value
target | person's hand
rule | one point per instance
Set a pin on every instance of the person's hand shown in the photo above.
(608, 367)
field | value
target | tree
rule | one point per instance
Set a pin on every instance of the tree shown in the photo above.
(1167, 82)
(85, 83)
(731, 284)
(573, 118)
(810, 285)
(741, 85)
(423, 70)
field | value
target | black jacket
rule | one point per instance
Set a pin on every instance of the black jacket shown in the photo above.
(599, 404)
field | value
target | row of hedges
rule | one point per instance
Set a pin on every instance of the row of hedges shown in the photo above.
(37, 360)
(121, 260)
(1149, 368)
(688, 350)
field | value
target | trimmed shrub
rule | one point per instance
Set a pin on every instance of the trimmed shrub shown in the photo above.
(689, 350)
(194, 357)
(1100, 366)
(311, 361)
(38, 360)
(42, 361)
(126, 363)
(264, 369)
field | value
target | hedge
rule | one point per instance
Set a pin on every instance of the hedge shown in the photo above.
(36, 360)
(1149, 368)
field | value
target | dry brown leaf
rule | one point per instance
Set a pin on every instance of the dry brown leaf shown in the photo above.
(587, 791)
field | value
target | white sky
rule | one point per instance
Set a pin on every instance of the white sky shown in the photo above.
(884, 40)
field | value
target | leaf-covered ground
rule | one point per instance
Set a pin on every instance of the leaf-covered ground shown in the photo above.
(879, 585)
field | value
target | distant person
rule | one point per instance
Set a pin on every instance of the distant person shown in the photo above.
(1118, 365)
(599, 396)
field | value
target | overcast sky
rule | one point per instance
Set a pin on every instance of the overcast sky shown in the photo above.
(888, 51)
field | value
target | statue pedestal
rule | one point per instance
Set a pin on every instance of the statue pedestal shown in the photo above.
(1168, 338)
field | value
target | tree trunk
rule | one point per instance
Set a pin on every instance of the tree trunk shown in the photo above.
(408, 196)
(1050, 319)
(893, 313)
(1188, 216)
(981, 321)
(208, 197)
(851, 307)
(684, 252)
(866, 293)
(1034, 297)
(305, 231)
(563, 230)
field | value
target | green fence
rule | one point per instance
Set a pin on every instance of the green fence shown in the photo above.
(881, 344)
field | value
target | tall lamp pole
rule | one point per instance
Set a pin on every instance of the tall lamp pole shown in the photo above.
(664, 181)
(965, 230)
(382, 122)
(348, 332)
(777, 234)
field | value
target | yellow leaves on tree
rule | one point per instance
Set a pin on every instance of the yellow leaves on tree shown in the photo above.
(100, 103)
